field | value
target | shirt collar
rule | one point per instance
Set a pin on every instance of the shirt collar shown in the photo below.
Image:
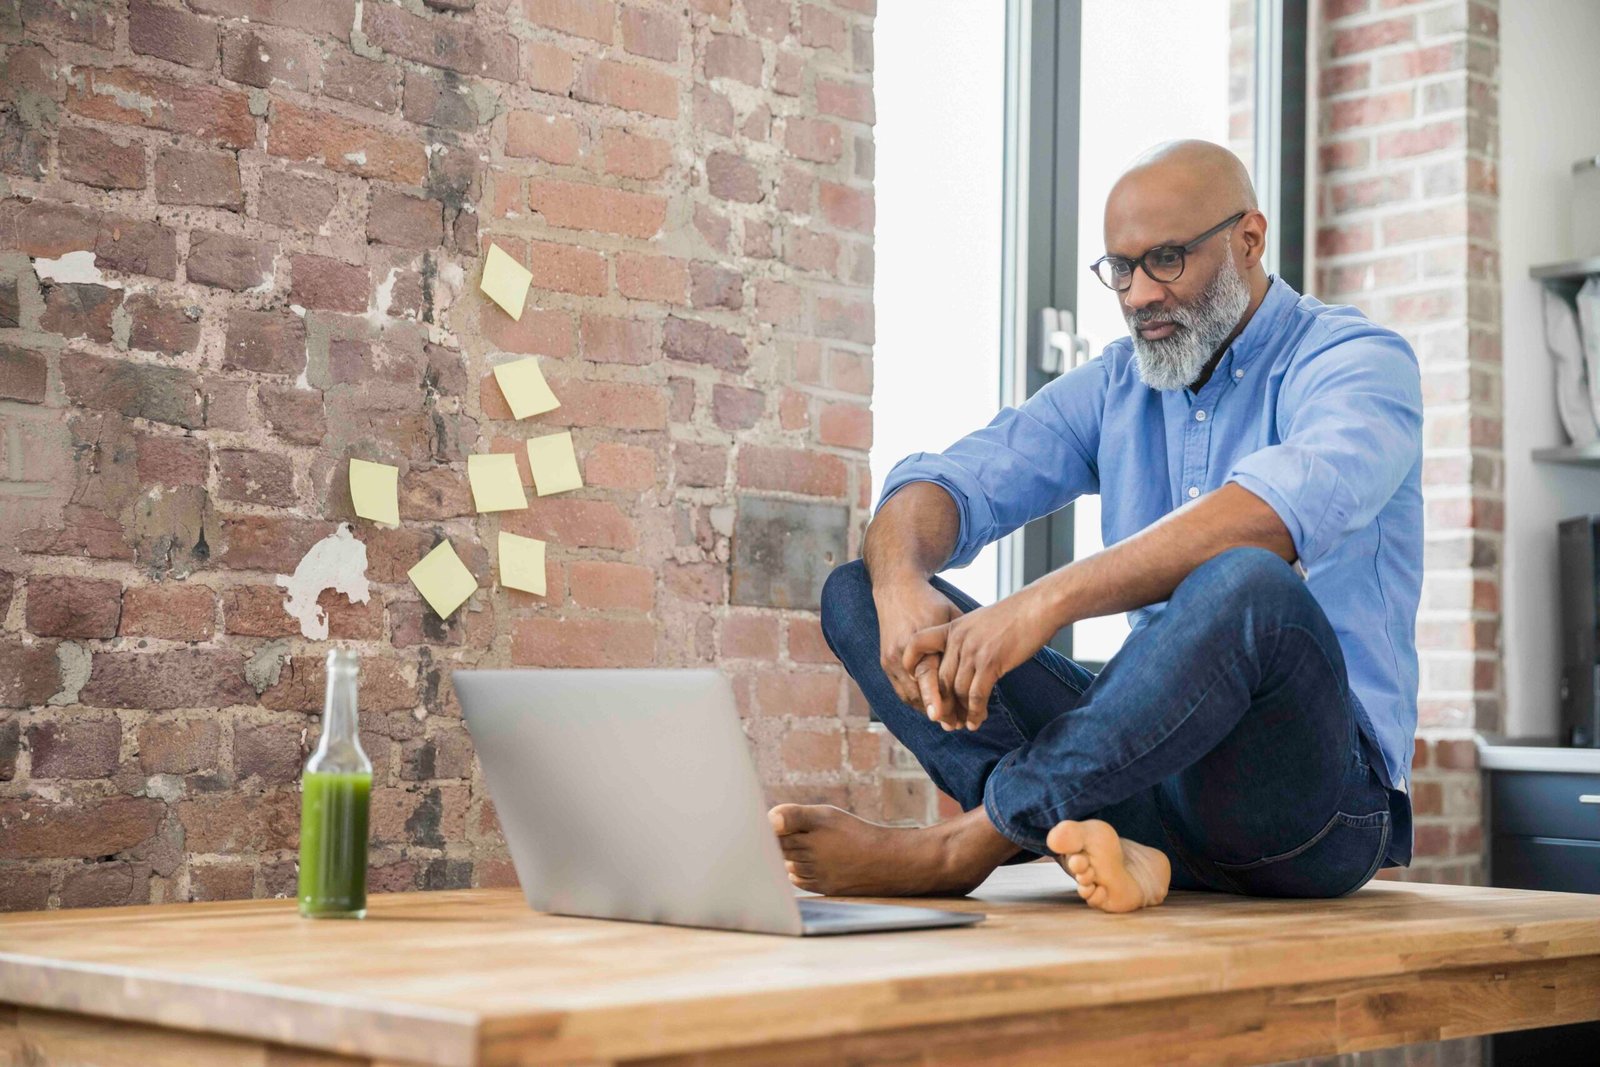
(1266, 324)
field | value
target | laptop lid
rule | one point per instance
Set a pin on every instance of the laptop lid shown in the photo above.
(629, 794)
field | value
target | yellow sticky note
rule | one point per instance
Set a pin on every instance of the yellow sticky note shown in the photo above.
(524, 387)
(554, 463)
(374, 492)
(522, 563)
(496, 484)
(505, 281)
(443, 580)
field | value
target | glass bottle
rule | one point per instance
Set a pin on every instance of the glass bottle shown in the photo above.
(336, 793)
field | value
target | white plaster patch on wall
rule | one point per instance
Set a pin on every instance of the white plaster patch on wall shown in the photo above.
(74, 268)
(337, 562)
(378, 312)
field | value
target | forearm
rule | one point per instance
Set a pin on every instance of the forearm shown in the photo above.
(912, 535)
(1147, 567)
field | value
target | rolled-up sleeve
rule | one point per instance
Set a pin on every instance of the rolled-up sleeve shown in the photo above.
(1028, 461)
(1354, 430)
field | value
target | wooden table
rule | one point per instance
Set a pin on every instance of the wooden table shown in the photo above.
(475, 977)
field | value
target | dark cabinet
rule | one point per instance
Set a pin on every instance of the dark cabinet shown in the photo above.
(1543, 829)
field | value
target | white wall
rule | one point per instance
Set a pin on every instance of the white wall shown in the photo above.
(1549, 88)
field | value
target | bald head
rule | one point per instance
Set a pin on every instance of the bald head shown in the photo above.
(1176, 190)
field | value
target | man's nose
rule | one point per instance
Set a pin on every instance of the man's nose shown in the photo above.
(1144, 291)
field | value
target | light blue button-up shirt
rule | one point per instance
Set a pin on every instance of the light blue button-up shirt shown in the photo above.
(1313, 408)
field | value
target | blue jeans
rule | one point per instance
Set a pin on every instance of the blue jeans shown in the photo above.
(1223, 733)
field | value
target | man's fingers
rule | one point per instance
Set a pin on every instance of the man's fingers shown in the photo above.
(978, 700)
(922, 643)
(928, 683)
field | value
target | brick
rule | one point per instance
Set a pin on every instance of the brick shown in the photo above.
(663, 279)
(779, 303)
(440, 493)
(189, 678)
(547, 68)
(735, 407)
(606, 339)
(797, 190)
(713, 112)
(97, 159)
(700, 465)
(119, 243)
(713, 286)
(24, 374)
(228, 262)
(327, 18)
(652, 33)
(257, 611)
(267, 58)
(821, 28)
(294, 200)
(732, 177)
(255, 477)
(605, 585)
(633, 155)
(1374, 110)
(593, 19)
(845, 320)
(270, 342)
(235, 823)
(49, 829)
(75, 748)
(74, 20)
(408, 221)
(540, 331)
(270, 753)
(619, 405)
(573, 523)
(846, 100)
(173, 35)
(221, 881)
(169, 612)
(30, 674)
(572, 205)
(164, 328)
(730, 56)
(771, 19)
(561, 642)
(809, 250)
(845, 426)
(1421, 140)
(442, 100)
(1372, 35)
(750, 636)
(295, 414)
(207, 179)
(160, 394)
(10, 304)
(803, 695)
(815, 140)
(627, 86)
(792, 470)
(302, 685)
(172, 745)
(345, 146)
(268, 543)
(452, 44)
(321, 282)
(567, 268)
(75, 311)
(698, 342)
(610, 465)
(219, 116)
(533, 135)
(846, 208)
(173, 461)
(807, 643)
(364, 82)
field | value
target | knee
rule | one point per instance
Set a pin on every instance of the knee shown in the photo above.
(846, 593)
(1245, 573)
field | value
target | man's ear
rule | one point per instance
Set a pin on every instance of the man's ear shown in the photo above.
(1252, 230)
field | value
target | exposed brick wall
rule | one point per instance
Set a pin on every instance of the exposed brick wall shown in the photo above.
(288, 200)
(1407, 230)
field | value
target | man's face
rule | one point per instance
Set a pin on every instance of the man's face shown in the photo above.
(1177, 326)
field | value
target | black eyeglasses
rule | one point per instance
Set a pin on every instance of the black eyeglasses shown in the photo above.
(1164, 263)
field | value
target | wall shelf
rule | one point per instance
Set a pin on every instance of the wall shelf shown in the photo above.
(1570, 270)
(1570, 455)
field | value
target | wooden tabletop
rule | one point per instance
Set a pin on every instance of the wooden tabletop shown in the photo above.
(475, 977)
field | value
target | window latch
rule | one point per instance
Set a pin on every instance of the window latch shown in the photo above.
(1060, 348)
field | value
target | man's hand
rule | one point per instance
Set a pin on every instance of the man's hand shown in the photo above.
(905, 607)
(979, 647)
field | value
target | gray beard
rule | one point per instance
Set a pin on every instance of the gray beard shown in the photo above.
(1174, 362)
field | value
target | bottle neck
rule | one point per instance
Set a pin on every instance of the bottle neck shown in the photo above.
(339, 749)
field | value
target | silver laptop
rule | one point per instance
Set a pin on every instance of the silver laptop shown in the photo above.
(631, 794)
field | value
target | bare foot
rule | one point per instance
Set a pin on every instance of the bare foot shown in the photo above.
(1113, 873)
(828, 850)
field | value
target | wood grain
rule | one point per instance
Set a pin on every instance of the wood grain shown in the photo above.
(469, 977)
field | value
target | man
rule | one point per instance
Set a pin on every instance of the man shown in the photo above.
(1258, 455)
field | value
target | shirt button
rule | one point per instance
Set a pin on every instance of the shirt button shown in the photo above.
(1200, 416)
(1239, 373)
(1194, 491)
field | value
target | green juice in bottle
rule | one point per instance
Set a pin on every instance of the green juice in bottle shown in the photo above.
(335, 797)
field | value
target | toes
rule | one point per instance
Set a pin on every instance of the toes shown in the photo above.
(801, 869)
(1077, 864)
(789, 818)
(1066, 838)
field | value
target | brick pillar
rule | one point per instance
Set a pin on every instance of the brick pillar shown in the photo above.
(1406, 230)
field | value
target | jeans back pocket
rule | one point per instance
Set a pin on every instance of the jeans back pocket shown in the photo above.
(1337, 860)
